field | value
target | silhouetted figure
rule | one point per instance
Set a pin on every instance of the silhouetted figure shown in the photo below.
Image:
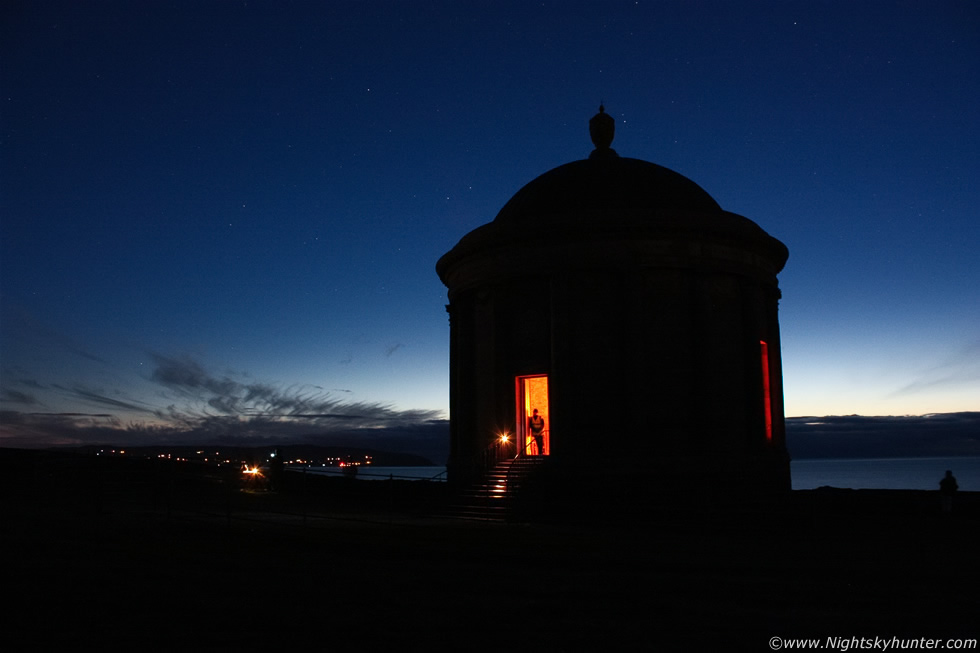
(947, 488)
(536, 424)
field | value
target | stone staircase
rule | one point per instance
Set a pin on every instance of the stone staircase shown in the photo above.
(493, 497)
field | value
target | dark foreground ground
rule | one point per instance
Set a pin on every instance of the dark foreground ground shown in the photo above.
(147, 558)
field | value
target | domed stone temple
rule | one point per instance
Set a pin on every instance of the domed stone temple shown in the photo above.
(639, 319)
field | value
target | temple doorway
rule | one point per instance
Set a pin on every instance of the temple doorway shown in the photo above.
(533, 431)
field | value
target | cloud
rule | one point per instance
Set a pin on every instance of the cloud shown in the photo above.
(856, 436)
(392, 348)
(94, 397)
(209, 397)
(31, 383)
(962, 368)
(11, 396)
(36, 430)
(187, 376)
(204, 408)
(27, 330)
(17, 397)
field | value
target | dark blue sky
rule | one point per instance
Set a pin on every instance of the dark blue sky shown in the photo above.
(226, 215)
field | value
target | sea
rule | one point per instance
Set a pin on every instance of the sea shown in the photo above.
(885, 473)
(853, 473)
(379, 473)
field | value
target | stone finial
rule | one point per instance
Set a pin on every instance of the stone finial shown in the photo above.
(602, 129)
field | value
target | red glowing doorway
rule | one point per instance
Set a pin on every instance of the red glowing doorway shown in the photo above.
(532, 394)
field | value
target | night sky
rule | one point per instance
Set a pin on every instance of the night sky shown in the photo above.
(221, 219)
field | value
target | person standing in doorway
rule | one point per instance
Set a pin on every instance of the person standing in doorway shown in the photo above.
(536, 424)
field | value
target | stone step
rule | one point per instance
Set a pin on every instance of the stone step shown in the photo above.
(491, 498)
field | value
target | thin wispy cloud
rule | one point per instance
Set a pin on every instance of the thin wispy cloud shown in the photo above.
(100, 398)
(17, 397)
(960, 369)
(28, 330)
(31, 383)
(392, 348)
(200, 406)
(23, 392)
(30, 430)
(204, 395)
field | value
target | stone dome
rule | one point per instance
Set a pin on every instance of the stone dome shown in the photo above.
(602, 187)
(608, 195)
